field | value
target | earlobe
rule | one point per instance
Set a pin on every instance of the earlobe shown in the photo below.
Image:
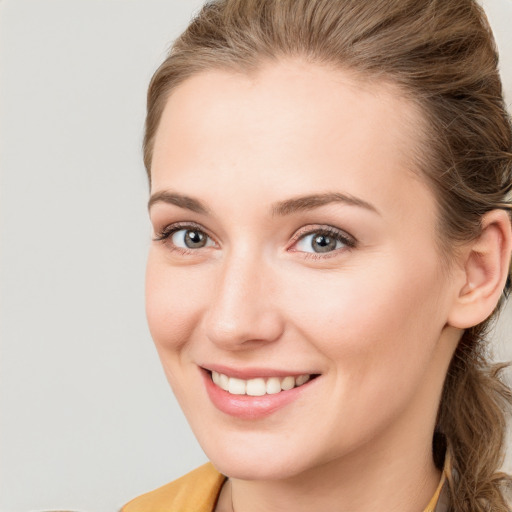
(486, 266)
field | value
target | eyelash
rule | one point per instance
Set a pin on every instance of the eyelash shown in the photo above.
(166, 233)
(337, 234)
(347, 240)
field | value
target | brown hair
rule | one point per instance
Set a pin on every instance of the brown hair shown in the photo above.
(442, 56)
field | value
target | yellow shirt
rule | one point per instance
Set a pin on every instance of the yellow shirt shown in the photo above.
(198, 491)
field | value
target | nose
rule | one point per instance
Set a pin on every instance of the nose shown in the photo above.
(242, 313)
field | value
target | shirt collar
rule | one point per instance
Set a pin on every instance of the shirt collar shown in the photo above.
(441, 500)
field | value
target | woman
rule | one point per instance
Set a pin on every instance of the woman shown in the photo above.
(330, 203)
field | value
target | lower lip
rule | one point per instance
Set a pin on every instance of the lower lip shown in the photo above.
(250, 407)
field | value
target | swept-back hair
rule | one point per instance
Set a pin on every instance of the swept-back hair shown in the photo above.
(442, 56)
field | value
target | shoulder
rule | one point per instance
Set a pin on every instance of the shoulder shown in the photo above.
(197, 491)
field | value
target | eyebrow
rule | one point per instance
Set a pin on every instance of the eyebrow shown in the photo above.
(310, 202)
(282, 208)
(182, 201)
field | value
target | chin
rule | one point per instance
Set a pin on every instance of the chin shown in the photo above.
(255, 458)
(243, 467)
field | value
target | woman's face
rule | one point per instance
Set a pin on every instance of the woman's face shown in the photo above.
(293, 238)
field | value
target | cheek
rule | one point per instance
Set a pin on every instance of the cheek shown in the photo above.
(378, 333)
(371, 318)
(174, 299)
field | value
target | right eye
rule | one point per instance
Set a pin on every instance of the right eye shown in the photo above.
(190, 239)
(184, 238)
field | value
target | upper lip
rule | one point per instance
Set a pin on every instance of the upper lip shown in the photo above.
(253, 372)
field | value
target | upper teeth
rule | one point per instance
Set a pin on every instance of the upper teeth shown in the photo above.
(258, 386)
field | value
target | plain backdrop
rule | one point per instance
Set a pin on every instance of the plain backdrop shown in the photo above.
(86, 417)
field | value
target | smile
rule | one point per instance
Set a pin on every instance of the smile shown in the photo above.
(258, 396)
(258, 386)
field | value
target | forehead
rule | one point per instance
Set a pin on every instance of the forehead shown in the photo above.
(279, 95)
(290, 127)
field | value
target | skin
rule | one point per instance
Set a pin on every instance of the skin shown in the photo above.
(373, 320)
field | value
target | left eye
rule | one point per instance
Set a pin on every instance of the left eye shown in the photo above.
(320, 242)
(191, 239)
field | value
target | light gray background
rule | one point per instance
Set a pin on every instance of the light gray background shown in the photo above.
(87, 420)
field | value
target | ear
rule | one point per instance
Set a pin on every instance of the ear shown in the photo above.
(485, 263)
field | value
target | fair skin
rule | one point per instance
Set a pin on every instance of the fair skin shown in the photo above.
(348, 288)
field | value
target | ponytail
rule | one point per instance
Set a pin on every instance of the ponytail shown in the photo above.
(472, 425)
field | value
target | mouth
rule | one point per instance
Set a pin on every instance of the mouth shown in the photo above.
(264, 393)
(259, 386)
